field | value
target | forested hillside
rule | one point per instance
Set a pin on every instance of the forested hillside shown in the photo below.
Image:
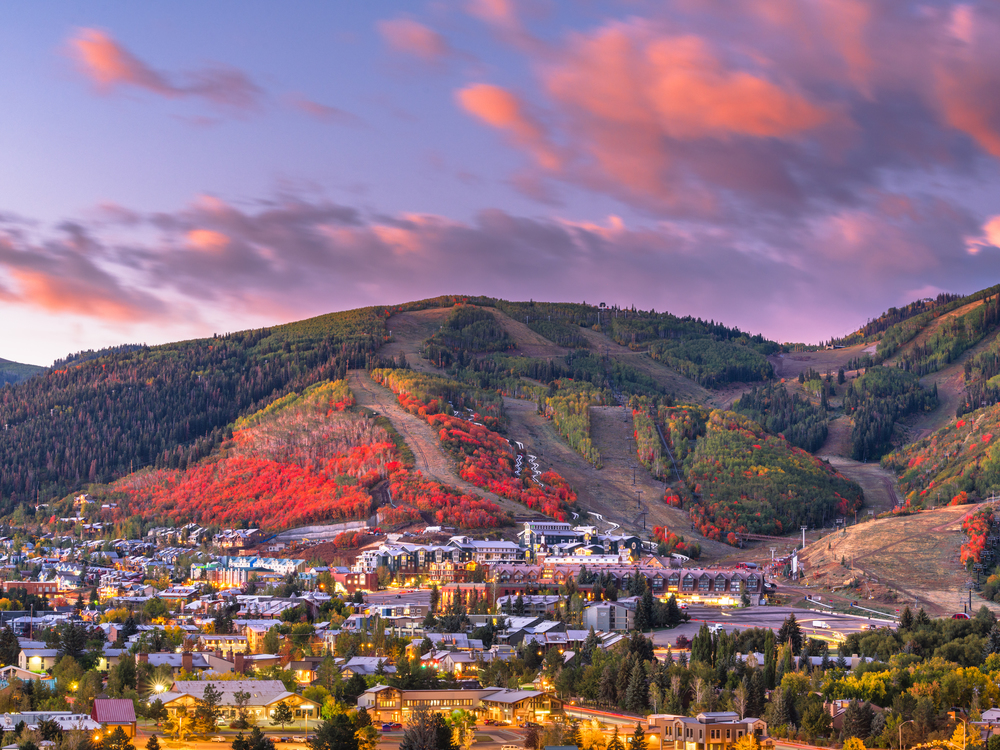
(163, 406)
(961, 458)
(875, 401)
(15, 372)
(735, 478)
(308, 458)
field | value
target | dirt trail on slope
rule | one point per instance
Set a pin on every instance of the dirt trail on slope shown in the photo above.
(608, 491)
(409, 331)
(430, 458)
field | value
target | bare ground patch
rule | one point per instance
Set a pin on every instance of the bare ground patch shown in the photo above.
(788, 366)
(917, 557)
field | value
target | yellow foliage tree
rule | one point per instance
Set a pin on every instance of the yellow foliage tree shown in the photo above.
(747, 742)
(853, 743)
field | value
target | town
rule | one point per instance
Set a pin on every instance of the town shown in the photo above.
(569, 636)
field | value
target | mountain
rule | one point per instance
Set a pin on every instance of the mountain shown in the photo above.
(15, 372)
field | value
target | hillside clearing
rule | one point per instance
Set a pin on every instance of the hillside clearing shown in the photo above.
(608, 491)
(916, 556)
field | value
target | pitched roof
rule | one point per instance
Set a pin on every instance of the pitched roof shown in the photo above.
(113, 711)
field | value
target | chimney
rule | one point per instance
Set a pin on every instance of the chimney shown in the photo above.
(239, 664)
(187, 661)
(143, 658)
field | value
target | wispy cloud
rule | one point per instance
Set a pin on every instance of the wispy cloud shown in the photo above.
(111, 66)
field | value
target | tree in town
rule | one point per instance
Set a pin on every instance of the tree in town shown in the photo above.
(152, 743)
(616, 743)
(282, 714)
(906, 618)
(992, 645)
(532, 740)
(853, 743)
(635, 697)
(256, 741)
(519, 605)
(10, 647)
(638, 739)
(206, 715)
(336, 733)
(420, 732)
(747, 742)
(241, 698)
(858, 719)
(790, 632)
(117, 740)
(367, 737)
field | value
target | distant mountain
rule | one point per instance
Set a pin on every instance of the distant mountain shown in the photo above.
(15, 372)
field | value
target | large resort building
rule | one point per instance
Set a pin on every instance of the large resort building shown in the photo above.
(389, 704)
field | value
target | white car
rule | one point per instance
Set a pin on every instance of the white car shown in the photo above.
(218, 738)
(298, 738)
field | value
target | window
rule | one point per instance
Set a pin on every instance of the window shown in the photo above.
(688, 583)
(720, 583)
(703, 583)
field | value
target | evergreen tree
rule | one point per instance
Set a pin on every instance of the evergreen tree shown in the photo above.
(756, 694)
(790, 632)
(778, 713)
(152, 743)
(673, 612)
(117, 740)
(608, 691)
(435, 598)
(519, 605)
(616, 743)
(858, 719)
(770, 667)
(701, 646)
(623, 678)
(922, 619)
(638, 690)
(589, 646)
(282, 714)
(338, 733)
(906, 619)
(10, 647)
(638, 740)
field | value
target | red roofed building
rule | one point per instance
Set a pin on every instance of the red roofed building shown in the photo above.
(115, 712)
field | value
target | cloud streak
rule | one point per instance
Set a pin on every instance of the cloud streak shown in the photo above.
(110, 66)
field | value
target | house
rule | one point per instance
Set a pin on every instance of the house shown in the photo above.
(37, 659)
(265, 695)
(366, 666)
(112, 713)
(715, 730)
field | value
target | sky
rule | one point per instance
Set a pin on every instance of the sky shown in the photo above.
(791, 167)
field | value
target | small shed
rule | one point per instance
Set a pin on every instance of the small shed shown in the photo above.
(115, 712)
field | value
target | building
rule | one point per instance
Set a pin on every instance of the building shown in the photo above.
(265, 695)
(389, 704)
(112, 713)
(534, 604)
(37, 659)
(609, 616)
(718, 730)
(66, 720)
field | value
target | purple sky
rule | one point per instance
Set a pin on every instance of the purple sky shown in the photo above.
(791, 167)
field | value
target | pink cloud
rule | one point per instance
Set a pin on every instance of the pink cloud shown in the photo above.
(503, 110)
(990, 237)
(322, 112)
(413, 38)
(110, 65)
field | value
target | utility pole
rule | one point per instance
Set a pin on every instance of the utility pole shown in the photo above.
(804, 536)
(772, 553)
(638, 499)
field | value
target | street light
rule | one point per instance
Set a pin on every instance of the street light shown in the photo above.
(908, 721)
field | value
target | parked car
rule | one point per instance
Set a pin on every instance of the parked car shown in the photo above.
(397, 727)
(218, 738)
(489, 722)
(868, 626)
(298, 738)
(387, 727)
